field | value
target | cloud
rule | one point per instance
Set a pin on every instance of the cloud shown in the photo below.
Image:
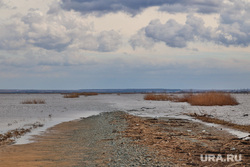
(2, 4)
(56, 31)
(105, 41)
(193, 6)
(233, 29)
(172, 33)
(109, 6)
(234, 25)
(134, 7)
(108, 41)
(141, 40)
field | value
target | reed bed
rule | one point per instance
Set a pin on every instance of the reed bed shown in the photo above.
(88, 93)
(200, 99)
(77, 95)
(159, 97)
(71, 95)
(212, 99)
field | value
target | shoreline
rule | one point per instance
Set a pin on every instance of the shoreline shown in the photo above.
(25, 136)
(117, 138)
(14, 115)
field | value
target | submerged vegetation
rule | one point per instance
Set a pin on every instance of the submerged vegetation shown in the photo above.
(10, 136)
(34, 101)
(71, 95)
(77, 95)
(200, 99)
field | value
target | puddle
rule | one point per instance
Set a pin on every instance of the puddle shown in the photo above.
(28, 137)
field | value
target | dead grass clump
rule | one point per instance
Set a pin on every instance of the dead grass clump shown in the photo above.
(71, 95)
(76, 95)
(159, 97)
(88, 93)
(201, 99)
(212, 99)
(34, 101)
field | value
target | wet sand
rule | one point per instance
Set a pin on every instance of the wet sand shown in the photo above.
(119, 139)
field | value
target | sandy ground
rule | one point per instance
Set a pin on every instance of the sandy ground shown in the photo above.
(119, 139)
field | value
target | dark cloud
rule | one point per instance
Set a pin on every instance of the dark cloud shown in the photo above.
(107, 6)
(197, 6)
(136, 6)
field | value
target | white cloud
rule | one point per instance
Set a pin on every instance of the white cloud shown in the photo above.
(172, 33)
(234, 24)
(1, 4)
(232, 29)
(56, 31)
(141, 40)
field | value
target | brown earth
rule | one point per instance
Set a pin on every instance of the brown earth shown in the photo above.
(183, 141)
(174, 142)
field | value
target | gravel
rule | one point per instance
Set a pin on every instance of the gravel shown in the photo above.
(107, 147)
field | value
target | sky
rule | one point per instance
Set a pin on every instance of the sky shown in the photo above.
(98, 44)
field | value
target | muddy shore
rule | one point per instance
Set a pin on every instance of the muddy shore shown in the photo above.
(119, 139)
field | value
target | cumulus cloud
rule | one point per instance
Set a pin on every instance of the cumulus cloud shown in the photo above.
(55, 31)
(172, 33)
(233, 29)
(141, 40)
(134, 7)
(234, 24)
(108, 41)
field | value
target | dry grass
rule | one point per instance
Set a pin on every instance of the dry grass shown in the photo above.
(71, 95)
(76, 95)
(201, 99)
(34, 101)
(159, 97)
(172, 142)
(88, 93)
(212, 99)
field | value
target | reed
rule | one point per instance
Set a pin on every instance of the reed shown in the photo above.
(71, 95)
(77, 95)
(159, 97)
(212, 99)
(200, 99)
(88, 93)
